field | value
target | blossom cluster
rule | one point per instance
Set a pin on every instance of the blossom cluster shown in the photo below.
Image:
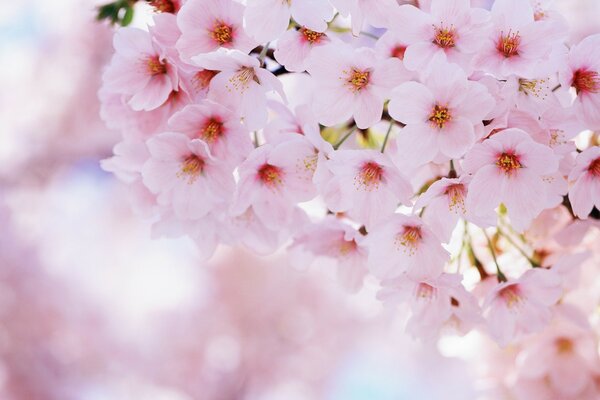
(414, 144)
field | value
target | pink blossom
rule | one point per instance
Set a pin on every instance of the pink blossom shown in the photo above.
(585, 176)
(439, 114)
(434, 303)
(365, 184)
(509, 168)
(140, 70)
(452, 29)
(184, 175)
(294, 47)
(268, 19)
(207, 25)
(404, 244)
(523, 305)
(339, 241)
(352, 83)
(582, 72)
(217, 126)
(517, 43)
(241, 84)
(274, 178)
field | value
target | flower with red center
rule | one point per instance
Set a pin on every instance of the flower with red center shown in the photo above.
(404, 244)
(582, 72)
(294, 47)
(140, 71)
(365, 184)
(452, 29)
(510, 168)
(267, 20)
(185, 176)
(217, 126)
(398, 52)
(434, 303)
(584, 193)
(273, 179)
(439, 114)
(207, 25)
(522, 306)
(352, 83)
(517, 44)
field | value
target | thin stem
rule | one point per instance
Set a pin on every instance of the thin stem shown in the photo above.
(387, 135)
(501, 276)
(516, 246)
(452, 173)
(263, 53)
(343, 139)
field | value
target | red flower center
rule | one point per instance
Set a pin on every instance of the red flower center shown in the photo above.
(398, 52)
(311, 37)
(425, 291)
(370, 175)
(508, 162)
(191, 167)
(585, 81)
(563, 345)
(409, 238)
(594, 168)
(445, 37)
(202, 78)
(270, 175)
(508, 45)
(439, 116)
(212, 130)
(456, 197)
(511, 295)
(222, 33)
(155, 66)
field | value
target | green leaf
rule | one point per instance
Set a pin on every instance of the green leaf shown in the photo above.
(128, 17)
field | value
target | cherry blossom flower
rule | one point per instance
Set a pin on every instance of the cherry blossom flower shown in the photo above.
(294, 47)
(582, 73)
(585, 192)
(352, 83)
(184, 174)
(439, 114)
(522, 306)
(509, 168)
(517, 43)
(268, 19)
(452, 29)
(404, 244)
(365, 184)
(240, 85)
(434, 303)
(140, 70)
(217, 126)
(207, 25)
(274, 178)
(339, 241)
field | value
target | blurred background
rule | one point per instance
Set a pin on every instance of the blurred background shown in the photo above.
(91, 308)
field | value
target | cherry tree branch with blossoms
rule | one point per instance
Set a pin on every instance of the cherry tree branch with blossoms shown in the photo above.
(447, 150)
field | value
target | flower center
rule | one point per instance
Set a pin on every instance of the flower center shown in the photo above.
(563, 345)
(347, 246)
(398, 52)
(191, 167)
(439, 116)
(241, 80)
(425, 291)
(211, 131)
(165, 6)
(511, 296)
(508, 45)
(221, 33)
(370, 176)
(456, 197)
(508, 162)
(586, 81)
(155, 66)
(594, 168)
(534, 87)
(270, 175)
(445, 37)
(409, 238)
(311, 37)
(202, 78)
(358, 79)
